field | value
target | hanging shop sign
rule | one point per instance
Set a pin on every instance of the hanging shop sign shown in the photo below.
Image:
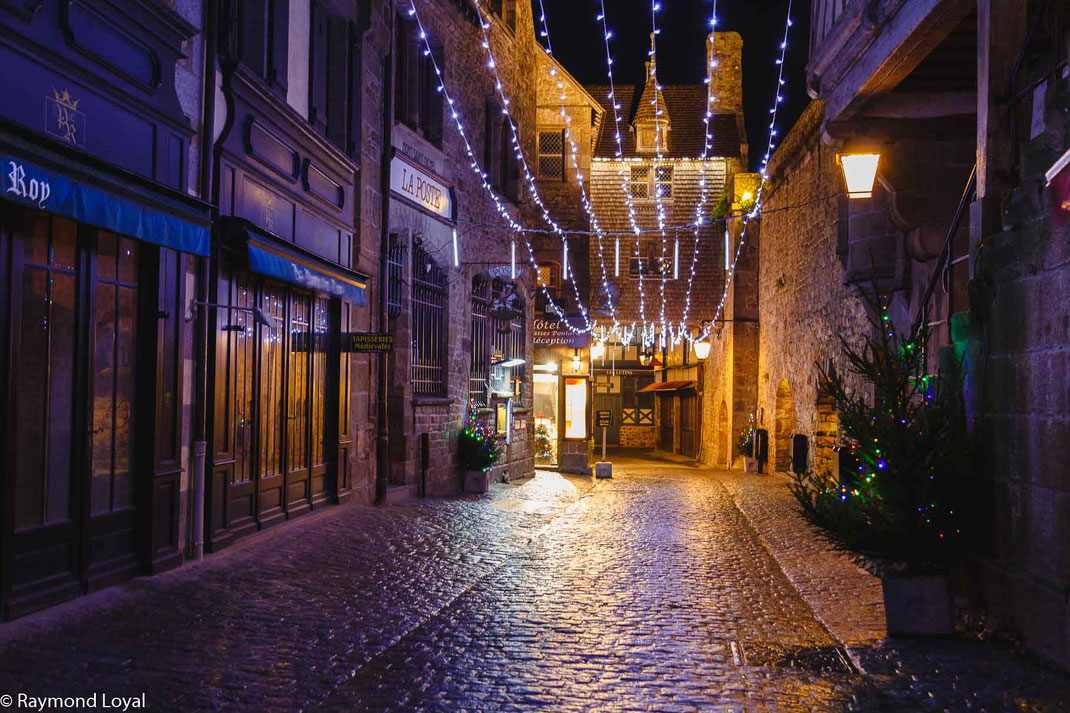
(367, 342)
(556, 333)
(421, 188)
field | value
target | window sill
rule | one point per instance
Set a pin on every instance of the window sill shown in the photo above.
(432, 400)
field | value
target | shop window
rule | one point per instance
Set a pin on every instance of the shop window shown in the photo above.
(417, 99)
(334, 78)
(575, 411)
(428, 324)
(507, 341)
(551, 153)
(479, 367)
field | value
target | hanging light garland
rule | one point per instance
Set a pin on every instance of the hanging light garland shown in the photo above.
(484, 180)
(574, 154)
(659, 205)
(771, 143)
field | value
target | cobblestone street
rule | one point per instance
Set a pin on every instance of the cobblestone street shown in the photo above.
(666, 588)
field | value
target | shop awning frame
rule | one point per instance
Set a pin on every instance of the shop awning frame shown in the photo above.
(663, 387)
(267, 255)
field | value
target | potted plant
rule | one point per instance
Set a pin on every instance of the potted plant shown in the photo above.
(478, 448)
(745, 447)
(902, 510)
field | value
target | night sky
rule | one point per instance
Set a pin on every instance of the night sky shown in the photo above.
(577, 42)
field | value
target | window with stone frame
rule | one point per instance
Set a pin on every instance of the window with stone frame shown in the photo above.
(506, 11)
(417, 100)
(429, 317)
(651, 182)
(334, 89)
(258, 38)
(663, 182)
(551, 152)
(500, 161)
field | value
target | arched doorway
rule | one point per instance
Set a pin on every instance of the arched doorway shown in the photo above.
(783, 427)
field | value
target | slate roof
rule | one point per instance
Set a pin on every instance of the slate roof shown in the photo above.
(685, 105)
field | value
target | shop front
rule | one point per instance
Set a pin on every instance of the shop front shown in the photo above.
(95, 228)
(562, 387)
(282, 295)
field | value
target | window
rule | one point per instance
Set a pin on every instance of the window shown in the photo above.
(507, 341)
(506, 10)
(499, 158)
(479, 368)
(552, 154)
(663, 182)
(652, 264)
(638, 182)
(428, 325)
(647, 182)
(260, 39)
(334, 78)
(417, 99)
(650, 138)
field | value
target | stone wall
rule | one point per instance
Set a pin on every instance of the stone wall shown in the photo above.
(805, 307)
(481, 247)
(638, 436)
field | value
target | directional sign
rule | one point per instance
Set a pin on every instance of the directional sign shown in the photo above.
(365, 342)
(603, 418)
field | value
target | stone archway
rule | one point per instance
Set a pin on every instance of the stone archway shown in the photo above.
(827, 431)
(783, 427)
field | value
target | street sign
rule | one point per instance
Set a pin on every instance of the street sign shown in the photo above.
(367, 342)
(603, 418)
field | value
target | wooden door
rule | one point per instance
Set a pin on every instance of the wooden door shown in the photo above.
(665, 432)
(73, 351)
(689, 423)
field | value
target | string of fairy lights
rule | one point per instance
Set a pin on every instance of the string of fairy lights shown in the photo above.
(661, 331)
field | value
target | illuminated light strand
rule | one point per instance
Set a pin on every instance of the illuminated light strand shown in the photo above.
(655, 6)
(492, 64)
(474, 165)
(703, 189)
(755, 210)
(574, 154)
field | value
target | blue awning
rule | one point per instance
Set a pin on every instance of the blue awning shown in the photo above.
(37, 187)
(273, 260)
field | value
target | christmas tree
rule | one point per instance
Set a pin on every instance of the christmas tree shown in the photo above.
(478, 446)
(906, 433)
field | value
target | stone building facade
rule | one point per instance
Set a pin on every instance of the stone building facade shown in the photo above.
(442, 311)
(928, 90)
(656, 279)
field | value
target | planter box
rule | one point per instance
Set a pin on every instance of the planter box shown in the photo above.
(750, 465)
(476, 481)
(917, 605)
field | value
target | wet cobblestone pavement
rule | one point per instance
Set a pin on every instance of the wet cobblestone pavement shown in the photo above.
(667, 588)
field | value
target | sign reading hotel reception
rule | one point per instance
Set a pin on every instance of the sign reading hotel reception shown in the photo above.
(420, 187)
(556, 333)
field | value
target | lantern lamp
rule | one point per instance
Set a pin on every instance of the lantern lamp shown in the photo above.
(859, 173)
(702, 349)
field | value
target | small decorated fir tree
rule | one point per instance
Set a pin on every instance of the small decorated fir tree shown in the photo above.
(907, 436)
(478, 446)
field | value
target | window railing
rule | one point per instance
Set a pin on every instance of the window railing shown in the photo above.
(428, 325)
(479, 369)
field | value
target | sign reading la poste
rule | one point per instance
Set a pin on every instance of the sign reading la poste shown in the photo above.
(421, 187)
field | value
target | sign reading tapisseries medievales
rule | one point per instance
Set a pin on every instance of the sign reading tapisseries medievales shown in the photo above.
(419, 186)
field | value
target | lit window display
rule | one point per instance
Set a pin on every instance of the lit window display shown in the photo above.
(576, 407)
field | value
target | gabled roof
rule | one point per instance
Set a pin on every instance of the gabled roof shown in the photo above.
(685, 105)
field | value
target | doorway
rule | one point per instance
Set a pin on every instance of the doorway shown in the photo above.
(76, 412)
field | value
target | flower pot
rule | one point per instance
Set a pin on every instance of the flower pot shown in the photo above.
(750, 465)
(917, 605)
(476, 481)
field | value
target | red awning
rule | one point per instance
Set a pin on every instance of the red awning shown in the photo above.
(664, 386)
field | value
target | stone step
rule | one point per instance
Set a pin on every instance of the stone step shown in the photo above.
(396, 494)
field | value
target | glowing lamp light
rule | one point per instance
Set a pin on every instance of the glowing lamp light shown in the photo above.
(576, 360)
(702, 349)
(860, 173)
(598, 350)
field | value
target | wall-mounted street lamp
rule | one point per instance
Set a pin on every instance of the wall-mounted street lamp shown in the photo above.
(576, 360)
(859, 172)
(702, 349)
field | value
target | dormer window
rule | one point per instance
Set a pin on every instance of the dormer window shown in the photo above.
(651, 138)
(650, 182)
